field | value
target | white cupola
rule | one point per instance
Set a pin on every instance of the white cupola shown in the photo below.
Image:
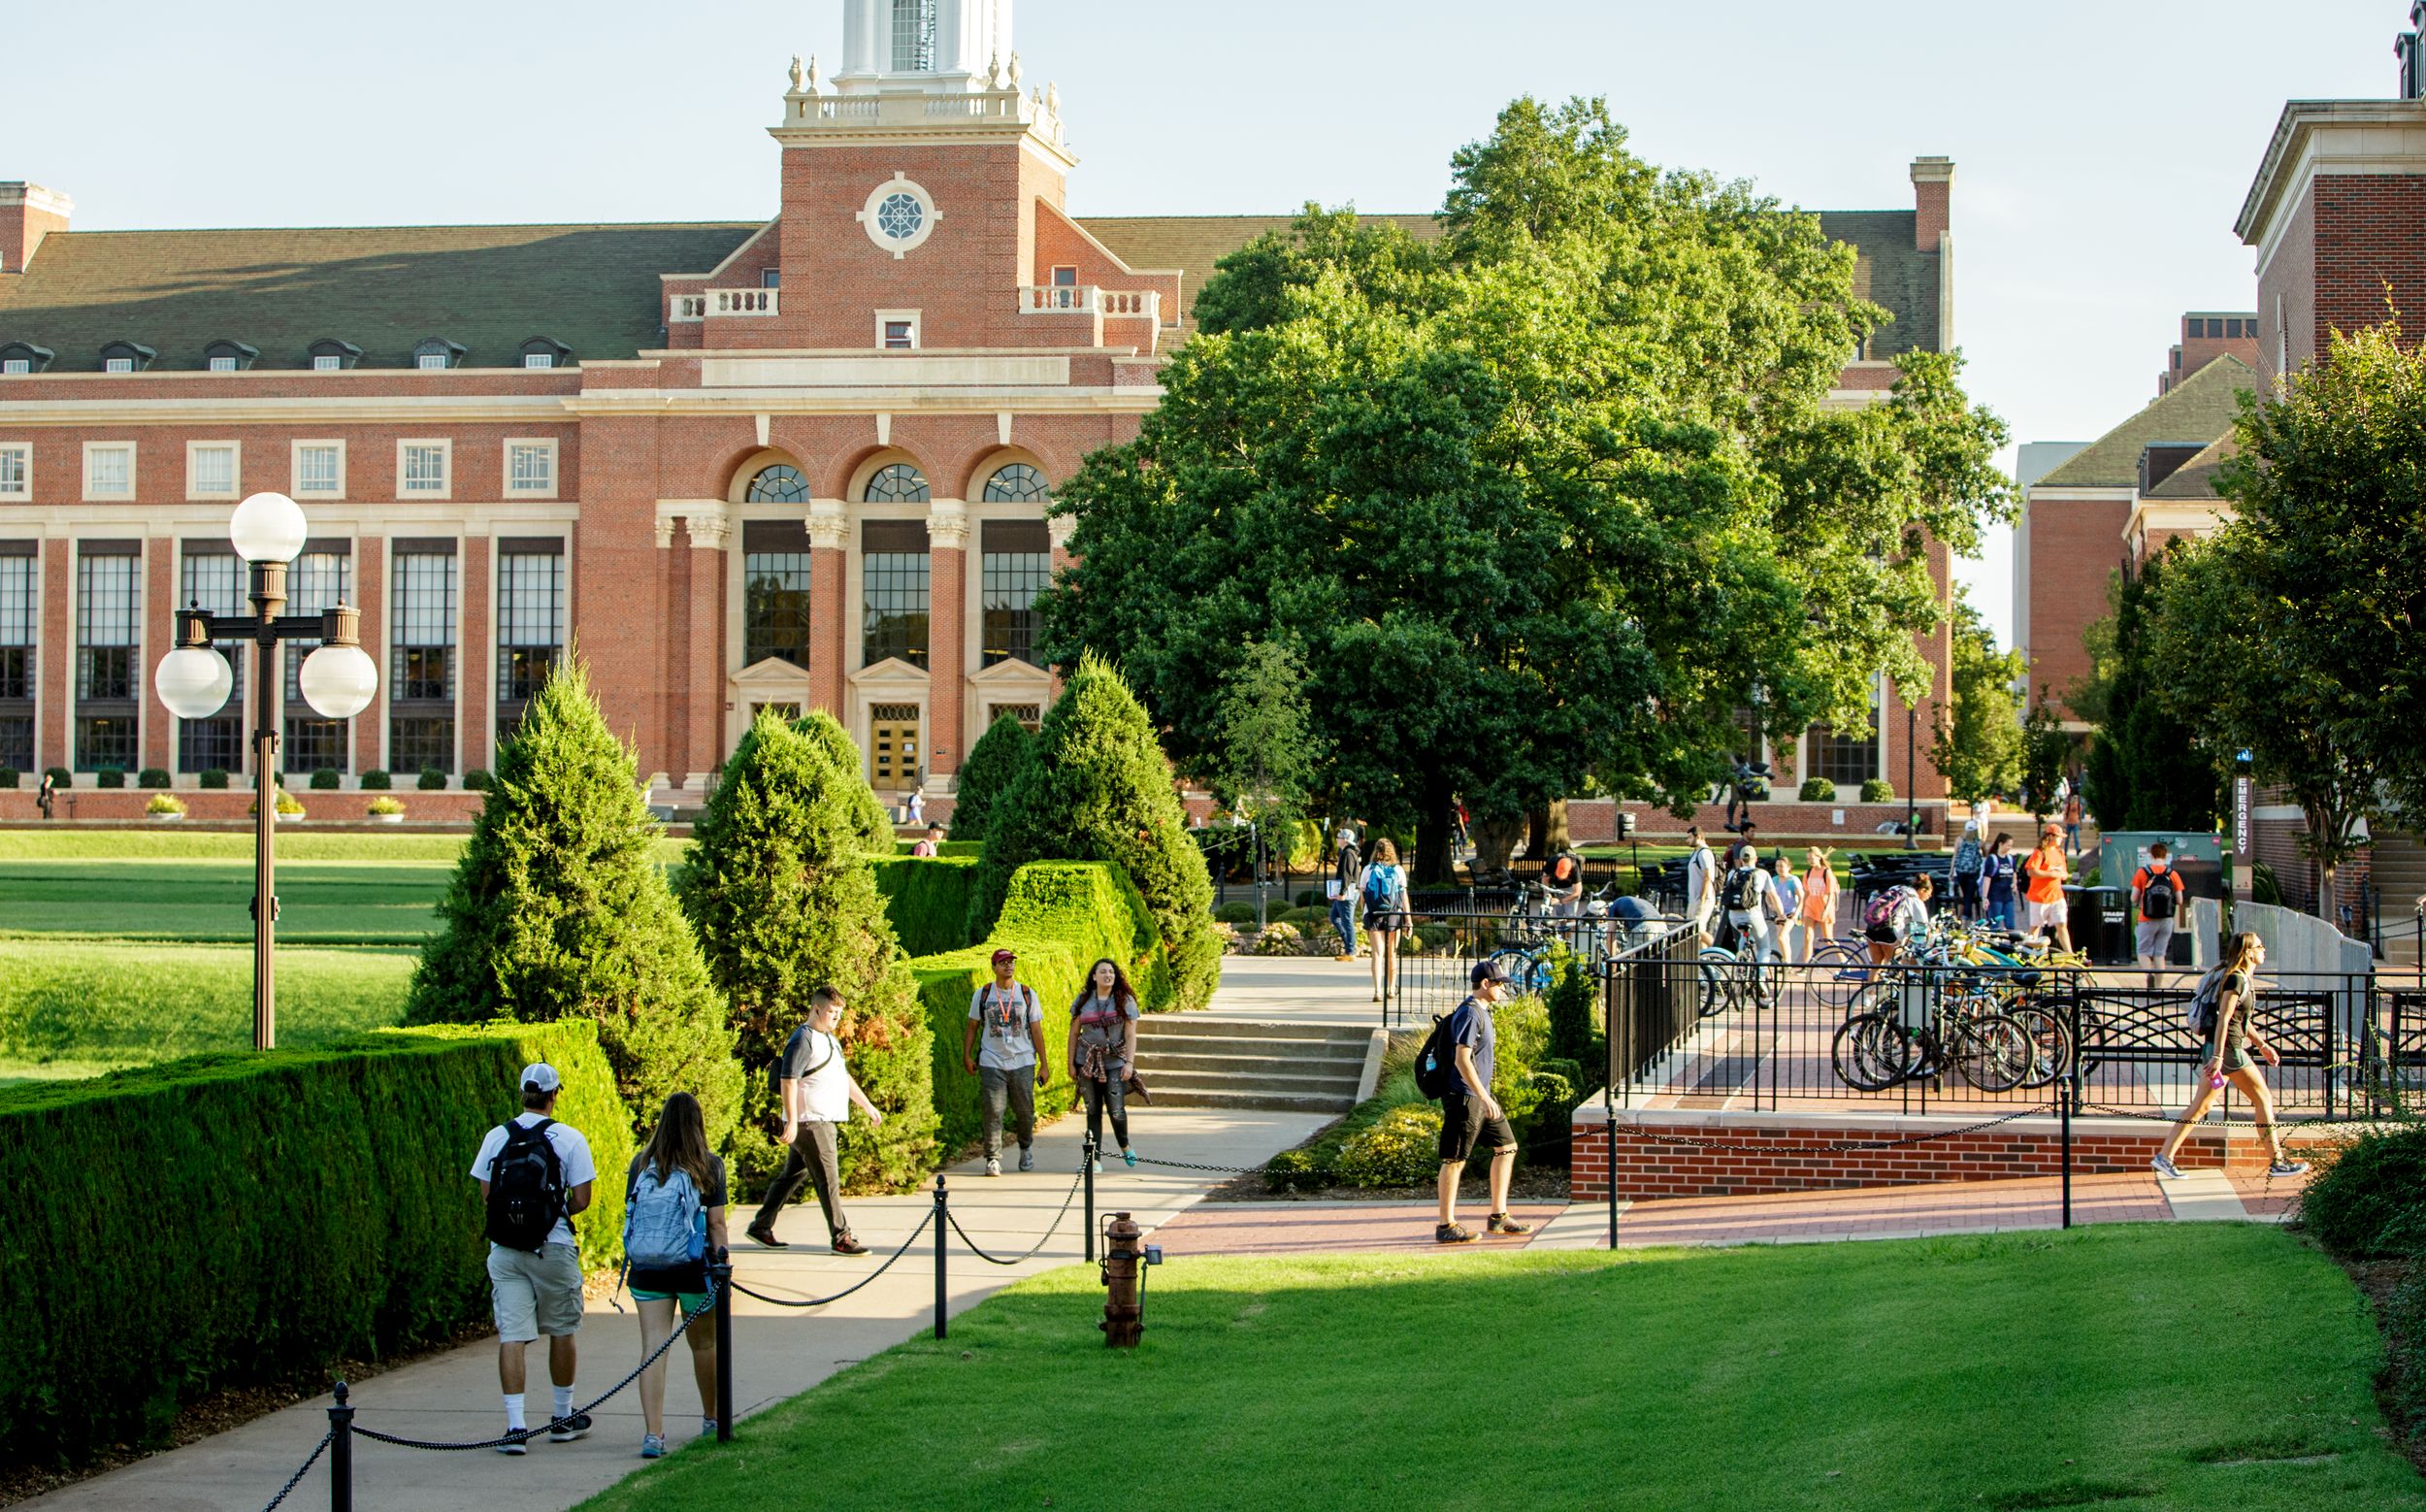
(934, 47)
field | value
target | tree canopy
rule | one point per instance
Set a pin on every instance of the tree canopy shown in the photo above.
(1980, 748)
(2148, 767)
(1548, 498)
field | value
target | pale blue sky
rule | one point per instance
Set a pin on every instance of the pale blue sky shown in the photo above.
(2103, 147)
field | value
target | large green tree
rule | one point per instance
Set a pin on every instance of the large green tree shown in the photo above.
(1552, 497)
(558, 910)
(992, 761)
(1264, 767)
(1980, 748)
(2148, 766)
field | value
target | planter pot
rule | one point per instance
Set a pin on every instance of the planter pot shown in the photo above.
(388, 818)
(166, 818)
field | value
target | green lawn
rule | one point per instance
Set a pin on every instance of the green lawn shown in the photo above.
(2189, 1365)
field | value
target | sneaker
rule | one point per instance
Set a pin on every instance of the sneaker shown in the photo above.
(845, 1244)
(2165, 1169)
(1452, 1233)
(565, 1431)
(994, 1166)
(652, 1446)
(1130, 1156)
(2288, 1168)
(766, 1238)
(1027, 1158)
(1095, 1167)
(1344, 956)
(708, 1428)
(1501, 1223)
(514, 1438)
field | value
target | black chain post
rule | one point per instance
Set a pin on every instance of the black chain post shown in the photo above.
(1086, 1168)
(941, 1216)
(720, 1274)
(341, 1454)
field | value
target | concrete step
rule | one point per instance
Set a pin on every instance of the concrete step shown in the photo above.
(1188, 1025)
(1324, 1063)
(1184, 1079)
(1261, 1102)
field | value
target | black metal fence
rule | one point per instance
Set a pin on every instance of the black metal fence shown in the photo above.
(1434, 969)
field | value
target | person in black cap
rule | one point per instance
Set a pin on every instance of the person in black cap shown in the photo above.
(1470, 1113)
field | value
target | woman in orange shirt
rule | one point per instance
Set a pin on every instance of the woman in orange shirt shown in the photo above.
(2045, 874)
(1819, 904)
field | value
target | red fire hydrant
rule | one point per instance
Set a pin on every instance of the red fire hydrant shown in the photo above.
(1124, 1279)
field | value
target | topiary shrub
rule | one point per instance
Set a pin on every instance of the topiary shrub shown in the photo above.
(557, 911)
(927, 899)
(9, 776)
(215, 778)
(1817, 790)
(327, 780)
(110, 777)
(1235, 913)
(1572, 1007)
(1399, 1149)
(151, 776)
(866, 816)
(782, 891)
(2369, 1197)
(432, 780)
(992, 761)
(376, 781)
(1098, 789)
(1878, 790)
(477, 780)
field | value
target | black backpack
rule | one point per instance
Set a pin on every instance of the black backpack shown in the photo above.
(526, 1188)
(1739, 882)
(2159, 898)
(1437, 1062)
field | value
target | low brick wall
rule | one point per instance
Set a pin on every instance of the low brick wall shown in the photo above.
(1593, 821)
(215, 804)
(1792, 1152)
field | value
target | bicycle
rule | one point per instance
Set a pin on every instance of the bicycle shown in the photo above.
(1909, 1040)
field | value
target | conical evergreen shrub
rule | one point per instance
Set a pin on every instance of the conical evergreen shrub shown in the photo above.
(992, 761)
(782, 891)
(867, 817)
(1098, 788)
(558, 910)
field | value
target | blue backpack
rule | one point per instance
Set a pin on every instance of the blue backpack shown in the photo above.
(665, 1222)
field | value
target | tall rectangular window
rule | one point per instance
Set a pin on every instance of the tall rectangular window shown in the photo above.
(319, 580)
(421, 685)
(109, 470)
(210, 469)
(319, 469)
(531, 468)
(210, 577)
(421, 468)
(20, 580)
(108, 639)
(774, 591)
(913, 36)
(17, 470)
(1848, 761)
(530, 622)
(1016, 565)
(893, 591)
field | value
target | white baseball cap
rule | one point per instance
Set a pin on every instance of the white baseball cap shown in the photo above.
(1347, 834)
(540, 1076)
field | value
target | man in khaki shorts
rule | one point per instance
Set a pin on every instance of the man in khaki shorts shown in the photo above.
(534, 1174)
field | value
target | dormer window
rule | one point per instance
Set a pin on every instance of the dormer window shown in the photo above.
(127, 357)
(541, 351)
(437, 352)
(20, 358)
(331, 355)
(229, 356)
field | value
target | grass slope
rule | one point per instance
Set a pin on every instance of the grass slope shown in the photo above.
(2188, 1366)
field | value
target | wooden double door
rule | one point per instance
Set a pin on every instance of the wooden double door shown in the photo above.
(893, 748)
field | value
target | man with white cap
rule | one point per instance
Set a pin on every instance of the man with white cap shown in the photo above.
(535, 1174)
(1347, 883)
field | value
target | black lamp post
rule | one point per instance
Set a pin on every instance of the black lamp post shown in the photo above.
(338, 680)
(1912, 767)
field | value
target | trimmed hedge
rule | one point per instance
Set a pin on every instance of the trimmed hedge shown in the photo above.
(1061, 917)
(236, 1220)
(927, 898)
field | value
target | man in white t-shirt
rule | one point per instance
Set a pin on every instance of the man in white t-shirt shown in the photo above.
(1701, 881)
(1750, 902)
(815, 1089)
(536, 1291)
(1004, 1048)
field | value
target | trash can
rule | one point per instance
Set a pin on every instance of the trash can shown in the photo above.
(2100, 920)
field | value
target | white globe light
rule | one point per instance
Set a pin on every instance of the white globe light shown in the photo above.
(193, 682)
(339, 681)
(267, 528)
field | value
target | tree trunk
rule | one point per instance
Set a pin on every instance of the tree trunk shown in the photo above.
(2326, 890)
(1435, 834)
(1537, 833)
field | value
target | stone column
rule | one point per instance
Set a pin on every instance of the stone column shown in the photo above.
(830, 617)
(702, 736)
(475, 655)
(1058, 529)
(369, 596)
(947, 635)
(54, 659)
(159, 632)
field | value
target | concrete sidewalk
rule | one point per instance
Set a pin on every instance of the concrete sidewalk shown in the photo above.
(1297, 989)
(777, 1352)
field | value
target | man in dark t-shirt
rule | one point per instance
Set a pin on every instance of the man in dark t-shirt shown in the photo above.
(1468, 1112)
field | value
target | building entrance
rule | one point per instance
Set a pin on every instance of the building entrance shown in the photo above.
(893, 746)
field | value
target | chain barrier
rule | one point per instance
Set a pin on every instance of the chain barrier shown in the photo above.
(296, 1479)
(1033, 1250)
(528, 1433)
(820, 1301)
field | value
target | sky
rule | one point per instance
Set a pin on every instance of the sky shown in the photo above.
(2102, 147)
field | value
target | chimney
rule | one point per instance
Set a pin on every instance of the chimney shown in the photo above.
(28, 212)
(1932, 192)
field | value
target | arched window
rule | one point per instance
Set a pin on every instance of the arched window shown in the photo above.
(896, 483)
(1017, 484)
(781, 483)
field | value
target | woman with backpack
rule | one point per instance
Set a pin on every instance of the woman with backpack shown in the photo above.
(674, 1218)
(1966, 872)
(2223, 1012)
(1103, 1052)
(1387, 921)
(1996, 876)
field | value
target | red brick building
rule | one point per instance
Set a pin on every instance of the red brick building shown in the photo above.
(801, 460)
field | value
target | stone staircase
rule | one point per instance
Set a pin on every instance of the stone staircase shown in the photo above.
(1191, 1061)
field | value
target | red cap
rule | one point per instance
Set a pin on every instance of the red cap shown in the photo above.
(1002, 956)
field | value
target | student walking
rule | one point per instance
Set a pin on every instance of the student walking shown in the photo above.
(1750, 907)
(815, 1089)
(674, 1218)
(1793, 940)
(534, 1174)
(1468, 1112)
(1347, 883)
(1387, 921)
(45, 795)
(2043, 874)
(2157, 894)
(2072, 822)
(932, 845)
(1004, 1048)
(1897, 918)
(1701, 882)
(917, 807)
(2226, 1005)
(1103, 1052)
(1820, 895)
(1968, 855)
(1997, 871)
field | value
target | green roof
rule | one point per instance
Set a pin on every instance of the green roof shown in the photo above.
(595, 288)
(2199, 409)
